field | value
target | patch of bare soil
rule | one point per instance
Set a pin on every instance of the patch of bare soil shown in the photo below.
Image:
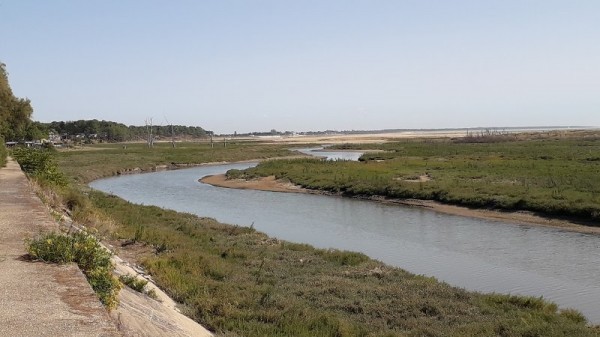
(420, 179)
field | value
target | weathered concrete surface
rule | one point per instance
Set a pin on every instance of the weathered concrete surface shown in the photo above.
(38, 299)
(139, 315)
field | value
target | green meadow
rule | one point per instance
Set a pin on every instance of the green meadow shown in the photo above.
(240, 282)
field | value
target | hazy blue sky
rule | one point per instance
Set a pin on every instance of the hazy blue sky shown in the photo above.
(307, 65)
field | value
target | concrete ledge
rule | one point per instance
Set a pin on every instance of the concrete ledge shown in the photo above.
(39, 299)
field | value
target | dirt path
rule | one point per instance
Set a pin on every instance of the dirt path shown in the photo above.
(39, 299)
(270, 184)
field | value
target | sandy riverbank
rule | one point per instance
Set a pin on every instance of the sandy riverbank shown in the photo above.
(523, 217)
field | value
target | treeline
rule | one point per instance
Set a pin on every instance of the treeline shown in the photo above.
(16, 124)
(117, 132)
(15, 115)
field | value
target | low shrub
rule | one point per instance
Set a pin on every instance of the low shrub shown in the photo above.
(525, 302)
(3, 153)
(344, 258)
(133, 282)
(235, 174)
(73, 199)
(85, 250)
(573, 315)
(40, 164)
(137, 284)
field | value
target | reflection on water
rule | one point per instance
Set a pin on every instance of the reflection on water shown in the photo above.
(472, 253)
(332, 155)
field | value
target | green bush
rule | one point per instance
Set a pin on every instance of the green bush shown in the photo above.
(40, 164)
(235, 174)
(133, 282)
(3, 153)
(53, 247)
(138, 285)
(85, 250)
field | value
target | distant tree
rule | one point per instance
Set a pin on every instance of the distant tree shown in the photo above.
(117, 132)
(36, 131)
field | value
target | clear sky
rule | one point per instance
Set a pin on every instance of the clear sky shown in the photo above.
(258, 65)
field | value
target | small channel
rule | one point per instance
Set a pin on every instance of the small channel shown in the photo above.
(475, 254)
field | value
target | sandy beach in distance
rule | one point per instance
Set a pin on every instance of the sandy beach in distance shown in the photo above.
(522, 217)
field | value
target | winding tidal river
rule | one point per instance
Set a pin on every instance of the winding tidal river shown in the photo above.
(475, 254)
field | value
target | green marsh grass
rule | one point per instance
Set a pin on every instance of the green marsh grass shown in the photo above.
(138, 284)
(102, 160)
(555, 177)
(239, 282)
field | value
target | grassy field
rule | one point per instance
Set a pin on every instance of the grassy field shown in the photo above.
(552, 176)
(102, 160)
(239, 282)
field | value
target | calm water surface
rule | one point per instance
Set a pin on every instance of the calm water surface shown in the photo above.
(476, 254)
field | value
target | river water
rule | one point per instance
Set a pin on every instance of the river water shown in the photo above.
(475, 254)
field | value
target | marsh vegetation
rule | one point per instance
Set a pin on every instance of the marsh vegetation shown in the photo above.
(551, 176)
(92, 162)
(237, 281)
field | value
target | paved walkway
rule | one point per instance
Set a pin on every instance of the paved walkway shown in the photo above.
(39, 299)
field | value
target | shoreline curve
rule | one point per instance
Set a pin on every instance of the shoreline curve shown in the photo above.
(271, 184)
